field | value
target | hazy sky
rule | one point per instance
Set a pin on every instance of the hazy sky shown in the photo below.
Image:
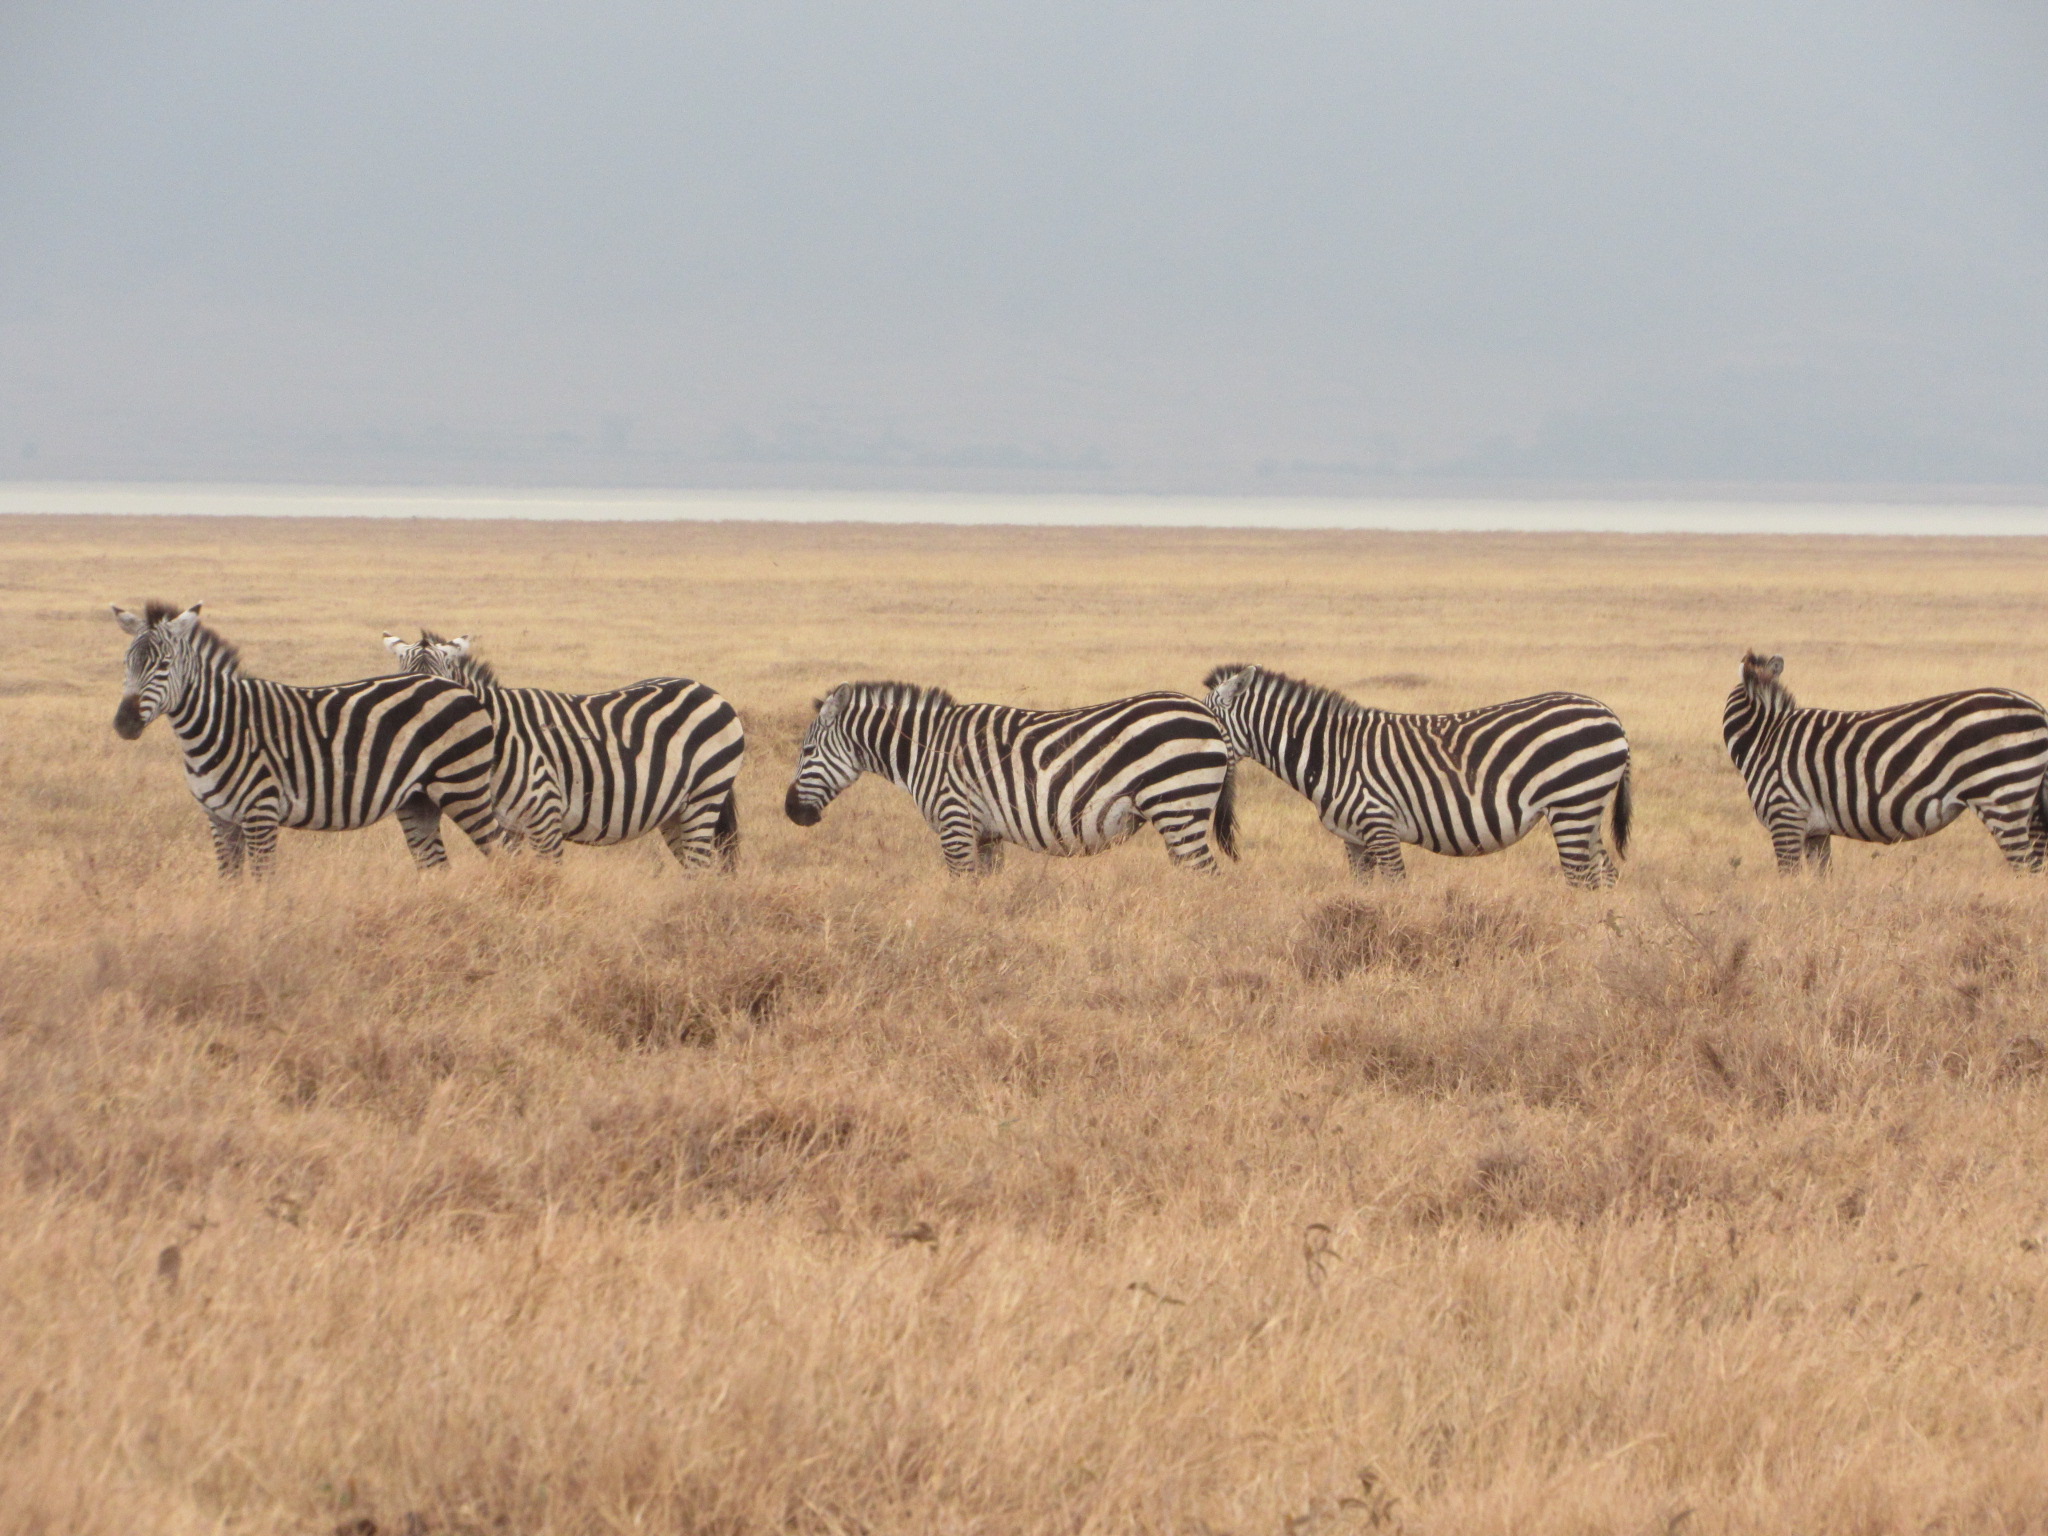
(1145, 246)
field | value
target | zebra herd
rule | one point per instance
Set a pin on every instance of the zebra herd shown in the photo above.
(533, 767)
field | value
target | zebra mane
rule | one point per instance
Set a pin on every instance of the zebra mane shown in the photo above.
(905, 696)
(474, 673)
(212, 648)
(1291, 689)
(1762, 684)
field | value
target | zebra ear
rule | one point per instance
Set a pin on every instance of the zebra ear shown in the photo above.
(184, 623)
(460, 644)
(393, 644)
(1227, 690)
(1777, 667)
(134, 623)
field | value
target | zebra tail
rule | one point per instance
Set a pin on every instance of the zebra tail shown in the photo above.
(1224, 822)
(725, 832)
(1623, 810)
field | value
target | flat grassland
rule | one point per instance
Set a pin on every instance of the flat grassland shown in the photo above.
(842, 1196)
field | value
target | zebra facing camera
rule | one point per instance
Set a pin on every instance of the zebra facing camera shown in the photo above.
(490, 758)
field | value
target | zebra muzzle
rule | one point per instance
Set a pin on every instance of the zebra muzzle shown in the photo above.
(799, 810)
(128, 721)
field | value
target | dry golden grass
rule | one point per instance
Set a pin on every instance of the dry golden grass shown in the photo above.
(845, 1197)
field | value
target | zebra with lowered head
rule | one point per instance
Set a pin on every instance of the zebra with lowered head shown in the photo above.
(1888, 775)
(1061, 781)
(1467, 783)
(262, 755)
(604, 767)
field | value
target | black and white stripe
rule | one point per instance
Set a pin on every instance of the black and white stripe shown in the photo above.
(261, 755)
(1888, 775)
(1064, 781)
(1469, 783)
(605, 767)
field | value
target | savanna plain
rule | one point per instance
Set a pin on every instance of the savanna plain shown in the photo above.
(843, 1196)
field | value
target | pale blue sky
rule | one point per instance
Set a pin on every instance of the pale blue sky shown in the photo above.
(1186, 247)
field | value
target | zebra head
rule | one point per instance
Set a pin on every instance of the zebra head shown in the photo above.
(1230, 692)
(862, 728)
(165, 653)
(828, 761)
(432, 656)
(1758, 699)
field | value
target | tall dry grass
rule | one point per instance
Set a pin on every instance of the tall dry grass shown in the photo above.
(842, 1196)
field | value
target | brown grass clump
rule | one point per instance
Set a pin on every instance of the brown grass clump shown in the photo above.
(1354, 932)
(842, 1196)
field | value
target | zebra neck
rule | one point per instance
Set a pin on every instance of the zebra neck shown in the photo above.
(1304, 755)
(1745, 726)
(896, 743)
(214, 703)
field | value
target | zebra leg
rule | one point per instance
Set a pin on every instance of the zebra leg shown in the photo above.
(420, 818)
(725, 831)
(1375, 851)
(228, 845)
(1576, 831)
(470, 809)
(259, 838)
(1818, 849)
(543, 835)
(1789, 842)
(988, 855)
(692, 834)
(1185, 825)
(544, 811)
(2014, 826)
(960, 837)
(1187, 841)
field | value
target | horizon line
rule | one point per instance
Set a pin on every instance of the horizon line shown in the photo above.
(1839, 510)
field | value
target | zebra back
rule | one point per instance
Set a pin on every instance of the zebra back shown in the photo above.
(617, 764)
(1468, 782)
(1888, 774)
(1058, 781)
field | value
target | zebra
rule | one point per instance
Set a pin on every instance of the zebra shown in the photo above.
(604, 767)
(1061, 781)
(262, 755)
(1467, 783)
(1888, 775)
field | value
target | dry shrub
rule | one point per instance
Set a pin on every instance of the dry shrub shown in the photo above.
(1681, 963)
(710, 965)
(1633, 1171)
(122, 1168)
(660, 1155)
(1992, 952)
(1400, 680)
(1354, 933)
(388, 1069)
(199, 975)
(657, 1005)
